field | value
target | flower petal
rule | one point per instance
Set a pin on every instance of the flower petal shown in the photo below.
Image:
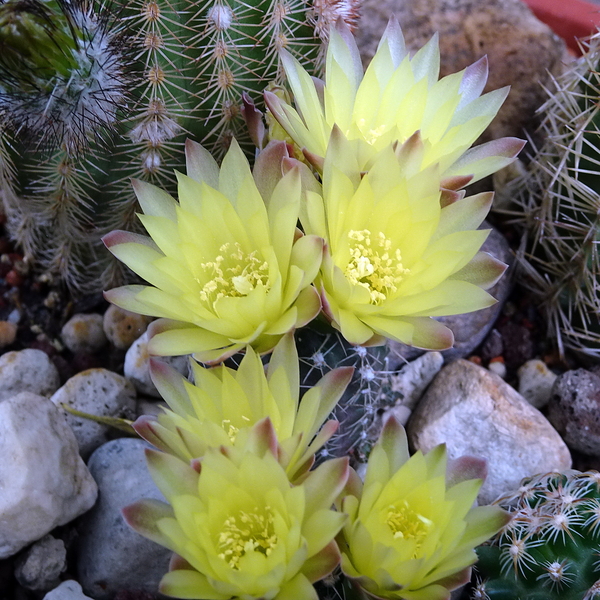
(191, 585)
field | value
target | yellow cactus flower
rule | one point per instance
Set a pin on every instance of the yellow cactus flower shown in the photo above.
(397, 96)
(238, 528)
(412, 528)
(222, 405)
(226, 265)
(395, 255)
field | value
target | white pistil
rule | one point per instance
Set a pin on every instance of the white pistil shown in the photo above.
(373, 265)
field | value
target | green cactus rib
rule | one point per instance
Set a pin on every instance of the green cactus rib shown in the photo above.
(118, 87)
(551, 547)
(558, 202)
(320, 349)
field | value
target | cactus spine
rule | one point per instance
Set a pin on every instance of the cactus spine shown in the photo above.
(322, 348)
(558, 200)
(551, 547)
(105, 92)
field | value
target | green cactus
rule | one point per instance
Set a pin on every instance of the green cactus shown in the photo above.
(558, 201)
(551, 547)
(93, 93)
(322, 348)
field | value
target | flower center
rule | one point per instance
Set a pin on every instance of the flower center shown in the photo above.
(372, 135)
(233, 273)
(231, 429)
(406, 524)
(247, 532)
(373, 265)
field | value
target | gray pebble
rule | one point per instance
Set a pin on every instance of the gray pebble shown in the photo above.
(574, 410)
(111, 556)
(97, 392)
(137, 370)
(83, 333)
(535, 382)
(27, 371)
(122, 327)
(67, 590)
(41, 565)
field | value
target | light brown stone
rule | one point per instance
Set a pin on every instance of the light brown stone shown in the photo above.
(475, 412)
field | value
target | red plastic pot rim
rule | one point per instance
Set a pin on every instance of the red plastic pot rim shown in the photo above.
(571, 19)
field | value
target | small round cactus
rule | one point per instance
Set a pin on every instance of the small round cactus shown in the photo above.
(557, 202)
(551, 547)
(322, 348)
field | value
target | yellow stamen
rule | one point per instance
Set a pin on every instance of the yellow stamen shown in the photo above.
(233, 273)
(406, 524)
(247, 532)
(373, 265)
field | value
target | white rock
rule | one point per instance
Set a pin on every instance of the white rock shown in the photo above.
(475, 412)
(83, 333)
(67, 590)
(123, 327)
(111, 556)
(97, 392)
(412, 381)
(27, 371)
(137, 370)
(498, 368)
(43, 481)
(41, 565)
(535, 382)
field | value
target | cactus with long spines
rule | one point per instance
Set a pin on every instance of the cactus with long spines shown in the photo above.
(94, 93)
(557, 201)
(551, 547)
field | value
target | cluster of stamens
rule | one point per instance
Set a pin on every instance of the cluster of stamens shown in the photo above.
(406, 524)
(245, 273)
(231, 429)
(373, 265)
(247, 532)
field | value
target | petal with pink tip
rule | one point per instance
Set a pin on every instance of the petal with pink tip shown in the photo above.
(143, 517)
(200, 165)
(254, 121)
(483, 270)
(485, 159)
(322, 563)
(268, 168)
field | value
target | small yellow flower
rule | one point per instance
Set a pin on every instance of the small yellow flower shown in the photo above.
(396, 97)
(238, 528)
(412, 528)
(222, 405)
(394, 255)
(226, 265)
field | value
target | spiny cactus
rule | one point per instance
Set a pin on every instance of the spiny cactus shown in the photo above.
(322, 348)
(93, 93)
(558, 202)
(551, 547)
